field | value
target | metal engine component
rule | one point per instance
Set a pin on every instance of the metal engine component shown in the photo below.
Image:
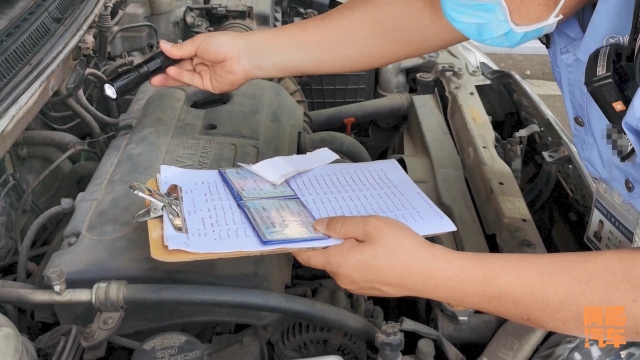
(301, 340)
(390, 342)
(190, 129)
(265, 12)
(297, 339)
(14, 346)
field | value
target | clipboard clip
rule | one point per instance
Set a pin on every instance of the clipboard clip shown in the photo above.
(171, 202)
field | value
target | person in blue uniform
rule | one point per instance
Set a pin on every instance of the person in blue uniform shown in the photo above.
(382, 257)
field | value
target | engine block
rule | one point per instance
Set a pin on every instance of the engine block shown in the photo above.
(191, 129)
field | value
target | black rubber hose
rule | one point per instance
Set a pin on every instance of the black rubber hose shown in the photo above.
(118, 17)
(77, 172)
(97, 75)
(548, 187)
(33, 186)
(387, 107)
(35, 252)
(12, 313)
(45, 152)
(56, 355)
(65, 207)
(124, 342)
(60, 140)
(80, 170)
(95, 114)
(133, 26)
(67, 98)
(343, 145)
(538, 184)
(225, 297)
(115, 67)
(103, 25)
(96, 132)
(249, 299)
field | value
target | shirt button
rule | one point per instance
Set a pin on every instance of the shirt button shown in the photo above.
(629, 185)
(578, 120)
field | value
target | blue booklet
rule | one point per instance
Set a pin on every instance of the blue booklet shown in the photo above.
(275, 211)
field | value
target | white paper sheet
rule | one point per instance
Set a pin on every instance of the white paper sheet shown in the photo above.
(215, 223)
(372, 188)
(279, 169)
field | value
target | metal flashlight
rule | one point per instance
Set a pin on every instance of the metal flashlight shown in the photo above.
(130, 79)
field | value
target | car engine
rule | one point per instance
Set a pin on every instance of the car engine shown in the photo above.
(470, 135)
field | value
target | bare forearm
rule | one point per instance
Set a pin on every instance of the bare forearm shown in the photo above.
(359, 35)
(549, 291)
(367, 34)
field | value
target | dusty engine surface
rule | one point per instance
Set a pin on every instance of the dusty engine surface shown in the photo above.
(187, 129)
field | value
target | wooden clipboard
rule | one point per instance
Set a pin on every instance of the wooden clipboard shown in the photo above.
(160, 252)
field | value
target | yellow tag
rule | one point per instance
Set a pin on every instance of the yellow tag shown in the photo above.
(475, 115)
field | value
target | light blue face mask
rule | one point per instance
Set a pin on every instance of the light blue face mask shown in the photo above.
(488, 22)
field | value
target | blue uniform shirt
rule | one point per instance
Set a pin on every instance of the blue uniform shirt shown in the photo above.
(571, 44)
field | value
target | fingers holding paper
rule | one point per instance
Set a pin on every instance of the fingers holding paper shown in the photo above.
(369, 261)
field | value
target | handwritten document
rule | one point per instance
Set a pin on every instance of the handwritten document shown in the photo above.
(373, 188)
(216, 224)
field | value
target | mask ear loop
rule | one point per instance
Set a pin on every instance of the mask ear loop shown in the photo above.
(557, 10)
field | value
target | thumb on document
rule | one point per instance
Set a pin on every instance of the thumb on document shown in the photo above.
(350, 227)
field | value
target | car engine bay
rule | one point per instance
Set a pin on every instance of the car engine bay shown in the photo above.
(76, 275)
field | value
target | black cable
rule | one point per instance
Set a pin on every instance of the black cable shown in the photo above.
(81, 100)
(97, 75)
(52, 113)
(36, 252)
(538, 184)
(58, 127)
(549, 185)
(61, 98)
(296, 307)
(65, 207)
(133, 26)
(37, 182)
(118, 17)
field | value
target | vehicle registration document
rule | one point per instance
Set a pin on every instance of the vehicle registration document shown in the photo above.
(235, 210)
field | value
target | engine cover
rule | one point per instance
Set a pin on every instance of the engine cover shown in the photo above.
(190, 129)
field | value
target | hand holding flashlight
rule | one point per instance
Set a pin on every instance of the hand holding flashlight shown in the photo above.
(217, 62)
(130, 79)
